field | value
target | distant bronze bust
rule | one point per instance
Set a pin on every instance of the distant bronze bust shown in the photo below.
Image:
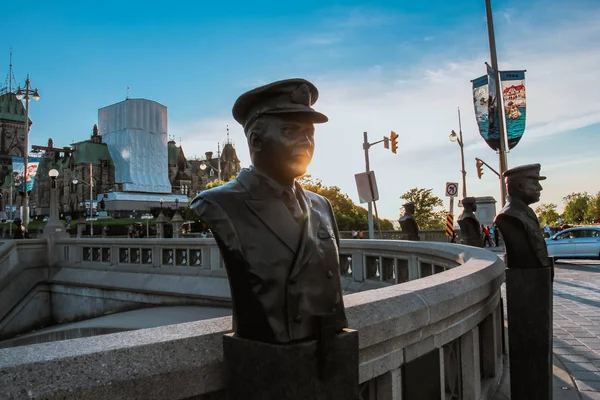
(279, 242)
(408, 224)
(520, 228)
(470, 229)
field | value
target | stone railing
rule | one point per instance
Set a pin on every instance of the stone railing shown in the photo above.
(431, 338)
(438, 235)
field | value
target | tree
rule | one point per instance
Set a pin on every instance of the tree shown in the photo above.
(593, 211)
(547, 214)
(217, 183)
(348, 215)
(576, 207)
(425, 203)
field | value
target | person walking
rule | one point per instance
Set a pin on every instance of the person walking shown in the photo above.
(486, 235)
(547, 230)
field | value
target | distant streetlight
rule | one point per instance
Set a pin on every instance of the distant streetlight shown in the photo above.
(458, 138)
(36, 96)
(91, 184)
(205, 165)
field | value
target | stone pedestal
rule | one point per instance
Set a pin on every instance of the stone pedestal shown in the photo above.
(177, 223)
(529, 309)
(160, 225)
(295, 371)
(80, 227)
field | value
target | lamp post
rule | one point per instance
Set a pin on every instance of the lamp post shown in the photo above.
(53, 226)
(205, 165)
(35, 95)
(91, 184)
(459, 138)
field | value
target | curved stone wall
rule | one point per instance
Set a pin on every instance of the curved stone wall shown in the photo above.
(445, 327)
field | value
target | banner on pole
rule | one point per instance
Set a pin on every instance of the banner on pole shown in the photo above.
(485, 101)
(18, 166)
(513, 95)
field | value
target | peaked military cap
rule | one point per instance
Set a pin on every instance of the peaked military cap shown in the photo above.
(525, 171)
(281, 97)
(469, 200)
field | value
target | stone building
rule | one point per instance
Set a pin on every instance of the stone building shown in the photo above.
(186, 176)
(72, 164)
(12, 143)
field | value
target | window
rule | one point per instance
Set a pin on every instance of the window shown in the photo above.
(590, 233)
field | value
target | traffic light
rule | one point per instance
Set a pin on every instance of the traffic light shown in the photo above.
(479, 167)
(394, 139)
(386, 142)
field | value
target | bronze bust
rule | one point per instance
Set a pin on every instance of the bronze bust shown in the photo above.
(520, 228)
(470, 229)
(408, 224)
(279, 242)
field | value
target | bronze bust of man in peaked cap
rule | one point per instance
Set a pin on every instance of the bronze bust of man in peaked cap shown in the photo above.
(279, 242)
(520, 228)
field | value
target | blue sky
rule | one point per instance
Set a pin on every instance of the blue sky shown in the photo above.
(379, 66)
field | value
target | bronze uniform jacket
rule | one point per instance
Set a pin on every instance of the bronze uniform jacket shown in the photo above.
(282, 274)
(520, 226)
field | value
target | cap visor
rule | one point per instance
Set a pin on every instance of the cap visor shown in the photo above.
(541, 178)
(315, 116)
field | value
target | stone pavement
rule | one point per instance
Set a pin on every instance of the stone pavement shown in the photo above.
(577, 331)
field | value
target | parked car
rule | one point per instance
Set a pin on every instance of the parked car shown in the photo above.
(580, 242)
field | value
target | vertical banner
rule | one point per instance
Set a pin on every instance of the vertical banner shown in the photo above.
(513, 95)
(485, 101)
(18, 166)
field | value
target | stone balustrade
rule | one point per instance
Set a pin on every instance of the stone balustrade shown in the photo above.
(438, 337)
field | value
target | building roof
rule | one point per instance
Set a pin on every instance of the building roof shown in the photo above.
(91, 153)
(174, 152)
(11, 108)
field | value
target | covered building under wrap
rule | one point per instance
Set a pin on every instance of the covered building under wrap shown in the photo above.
(135, 131)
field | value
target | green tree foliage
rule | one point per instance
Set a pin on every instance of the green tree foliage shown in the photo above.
(426, 215)
(217, 183)
(593, 211)
(576, 207)
(546, 212)
(349, 216)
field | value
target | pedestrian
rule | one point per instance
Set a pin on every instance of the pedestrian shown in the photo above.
(486, 235)
(547, 230)
(361, 235)
(354, 234)
(496, 234)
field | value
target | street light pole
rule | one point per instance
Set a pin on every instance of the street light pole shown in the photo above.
(91, 202)
(494, 58)
(36, 97)
(459, 139)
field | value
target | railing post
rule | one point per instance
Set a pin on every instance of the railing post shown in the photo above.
(215, 258)
(413, 268)
(469, 364)
(389, 385)
(358, 262)
(490, 335)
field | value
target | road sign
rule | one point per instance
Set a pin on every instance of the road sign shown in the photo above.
(365, 195)
(451, 189)
(449, 225)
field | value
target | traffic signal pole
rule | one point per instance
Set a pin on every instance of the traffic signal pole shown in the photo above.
(372, 204)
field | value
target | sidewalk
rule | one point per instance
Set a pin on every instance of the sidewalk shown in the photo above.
(576, 343)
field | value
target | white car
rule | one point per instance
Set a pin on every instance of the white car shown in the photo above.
(581, 242)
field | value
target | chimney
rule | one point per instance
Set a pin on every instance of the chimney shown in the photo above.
(209, 155)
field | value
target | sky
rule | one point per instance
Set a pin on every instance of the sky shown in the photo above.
(379, 66)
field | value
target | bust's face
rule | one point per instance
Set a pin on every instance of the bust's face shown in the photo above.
(286, 146)
(531, 190)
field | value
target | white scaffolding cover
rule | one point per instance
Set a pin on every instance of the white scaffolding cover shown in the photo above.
(135, 131)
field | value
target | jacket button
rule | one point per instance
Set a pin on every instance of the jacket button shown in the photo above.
(329, 274)
(298, 318)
